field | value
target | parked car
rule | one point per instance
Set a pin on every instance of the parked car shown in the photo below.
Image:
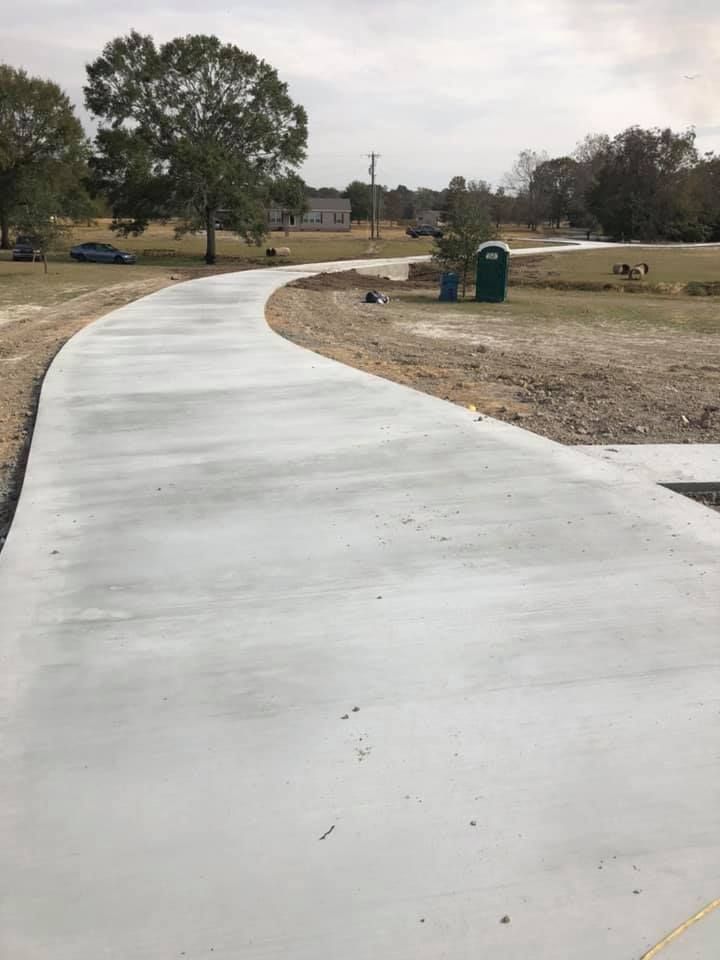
(26, 248)
(424, 230)
(101, 253)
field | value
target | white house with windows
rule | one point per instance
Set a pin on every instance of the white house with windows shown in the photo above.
(323, 213)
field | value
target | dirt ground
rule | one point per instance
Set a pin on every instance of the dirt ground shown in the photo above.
(572, 366)
(36, 319)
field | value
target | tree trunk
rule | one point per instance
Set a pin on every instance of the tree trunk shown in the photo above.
(4, 231)
(209, 236)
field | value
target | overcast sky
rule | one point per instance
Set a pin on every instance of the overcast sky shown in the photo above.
(438, 89)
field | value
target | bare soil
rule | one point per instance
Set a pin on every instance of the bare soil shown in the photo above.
(574, 366)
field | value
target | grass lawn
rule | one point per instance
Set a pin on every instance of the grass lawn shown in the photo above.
(677, 266)
(305, 247)
(158, 247)
(529, 309)
(26, 284)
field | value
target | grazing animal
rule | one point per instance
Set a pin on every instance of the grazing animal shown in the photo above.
(283, 251)
(623, 269)
(270, 252)
(637, 273)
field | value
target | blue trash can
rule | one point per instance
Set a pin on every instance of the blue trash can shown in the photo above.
(449, 287)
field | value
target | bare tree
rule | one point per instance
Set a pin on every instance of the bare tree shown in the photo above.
(521, 182)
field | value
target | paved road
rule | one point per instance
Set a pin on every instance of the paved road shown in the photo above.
(226, 545)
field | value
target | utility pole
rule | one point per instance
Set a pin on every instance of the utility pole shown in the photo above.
(374, 210)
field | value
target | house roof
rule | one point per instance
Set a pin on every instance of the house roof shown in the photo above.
(336, 205)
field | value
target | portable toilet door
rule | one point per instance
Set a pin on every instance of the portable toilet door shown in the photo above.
(493, 259)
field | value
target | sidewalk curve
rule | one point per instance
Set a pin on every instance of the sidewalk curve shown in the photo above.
(296, 662)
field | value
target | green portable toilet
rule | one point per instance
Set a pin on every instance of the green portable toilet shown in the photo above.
(493, 259)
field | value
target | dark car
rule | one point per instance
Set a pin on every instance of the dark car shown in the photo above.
(424, 230)
(26, 248)
(101, 253)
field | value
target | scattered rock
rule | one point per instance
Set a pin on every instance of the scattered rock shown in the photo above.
(641, 430)
(356, 709)
(345, 716)
(54, 552)
(473, 823)
(704, 420)
(505, 919)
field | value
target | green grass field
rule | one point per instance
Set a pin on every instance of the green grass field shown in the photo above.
(548, 308)
(158, 246)
(677, 266)
(189, 250)
(27, 283)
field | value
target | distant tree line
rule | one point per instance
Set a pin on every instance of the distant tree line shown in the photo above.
(400, 203)
(195, 130)
(639, 185)
(643, 184)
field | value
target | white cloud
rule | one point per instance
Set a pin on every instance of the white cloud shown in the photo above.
(437, 90)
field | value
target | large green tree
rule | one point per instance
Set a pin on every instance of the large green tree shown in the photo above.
(556, 184)
(43, 153)
(190, 128)
(358, 193)
(642, 189)
(704, 196)
(429, 199)
(400, 203)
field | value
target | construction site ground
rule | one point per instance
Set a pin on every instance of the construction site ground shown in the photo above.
(578, 366)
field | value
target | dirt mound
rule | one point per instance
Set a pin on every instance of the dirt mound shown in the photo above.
(426, 272)
(346, 280)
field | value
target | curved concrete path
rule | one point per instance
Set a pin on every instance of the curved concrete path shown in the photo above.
(225, 545)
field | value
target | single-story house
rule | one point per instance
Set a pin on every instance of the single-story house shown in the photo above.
(322, 214)
(433, 217)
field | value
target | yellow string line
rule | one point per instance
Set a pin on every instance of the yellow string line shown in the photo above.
(680, 930)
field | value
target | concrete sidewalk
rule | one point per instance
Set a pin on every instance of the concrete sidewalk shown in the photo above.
(253, 598)
(663, 462)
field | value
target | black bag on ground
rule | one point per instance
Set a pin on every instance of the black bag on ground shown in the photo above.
(374, 296)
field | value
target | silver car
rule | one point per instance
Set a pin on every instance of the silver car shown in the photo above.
(101, 253)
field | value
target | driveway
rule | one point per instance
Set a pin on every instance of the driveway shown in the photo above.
(300, 663)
